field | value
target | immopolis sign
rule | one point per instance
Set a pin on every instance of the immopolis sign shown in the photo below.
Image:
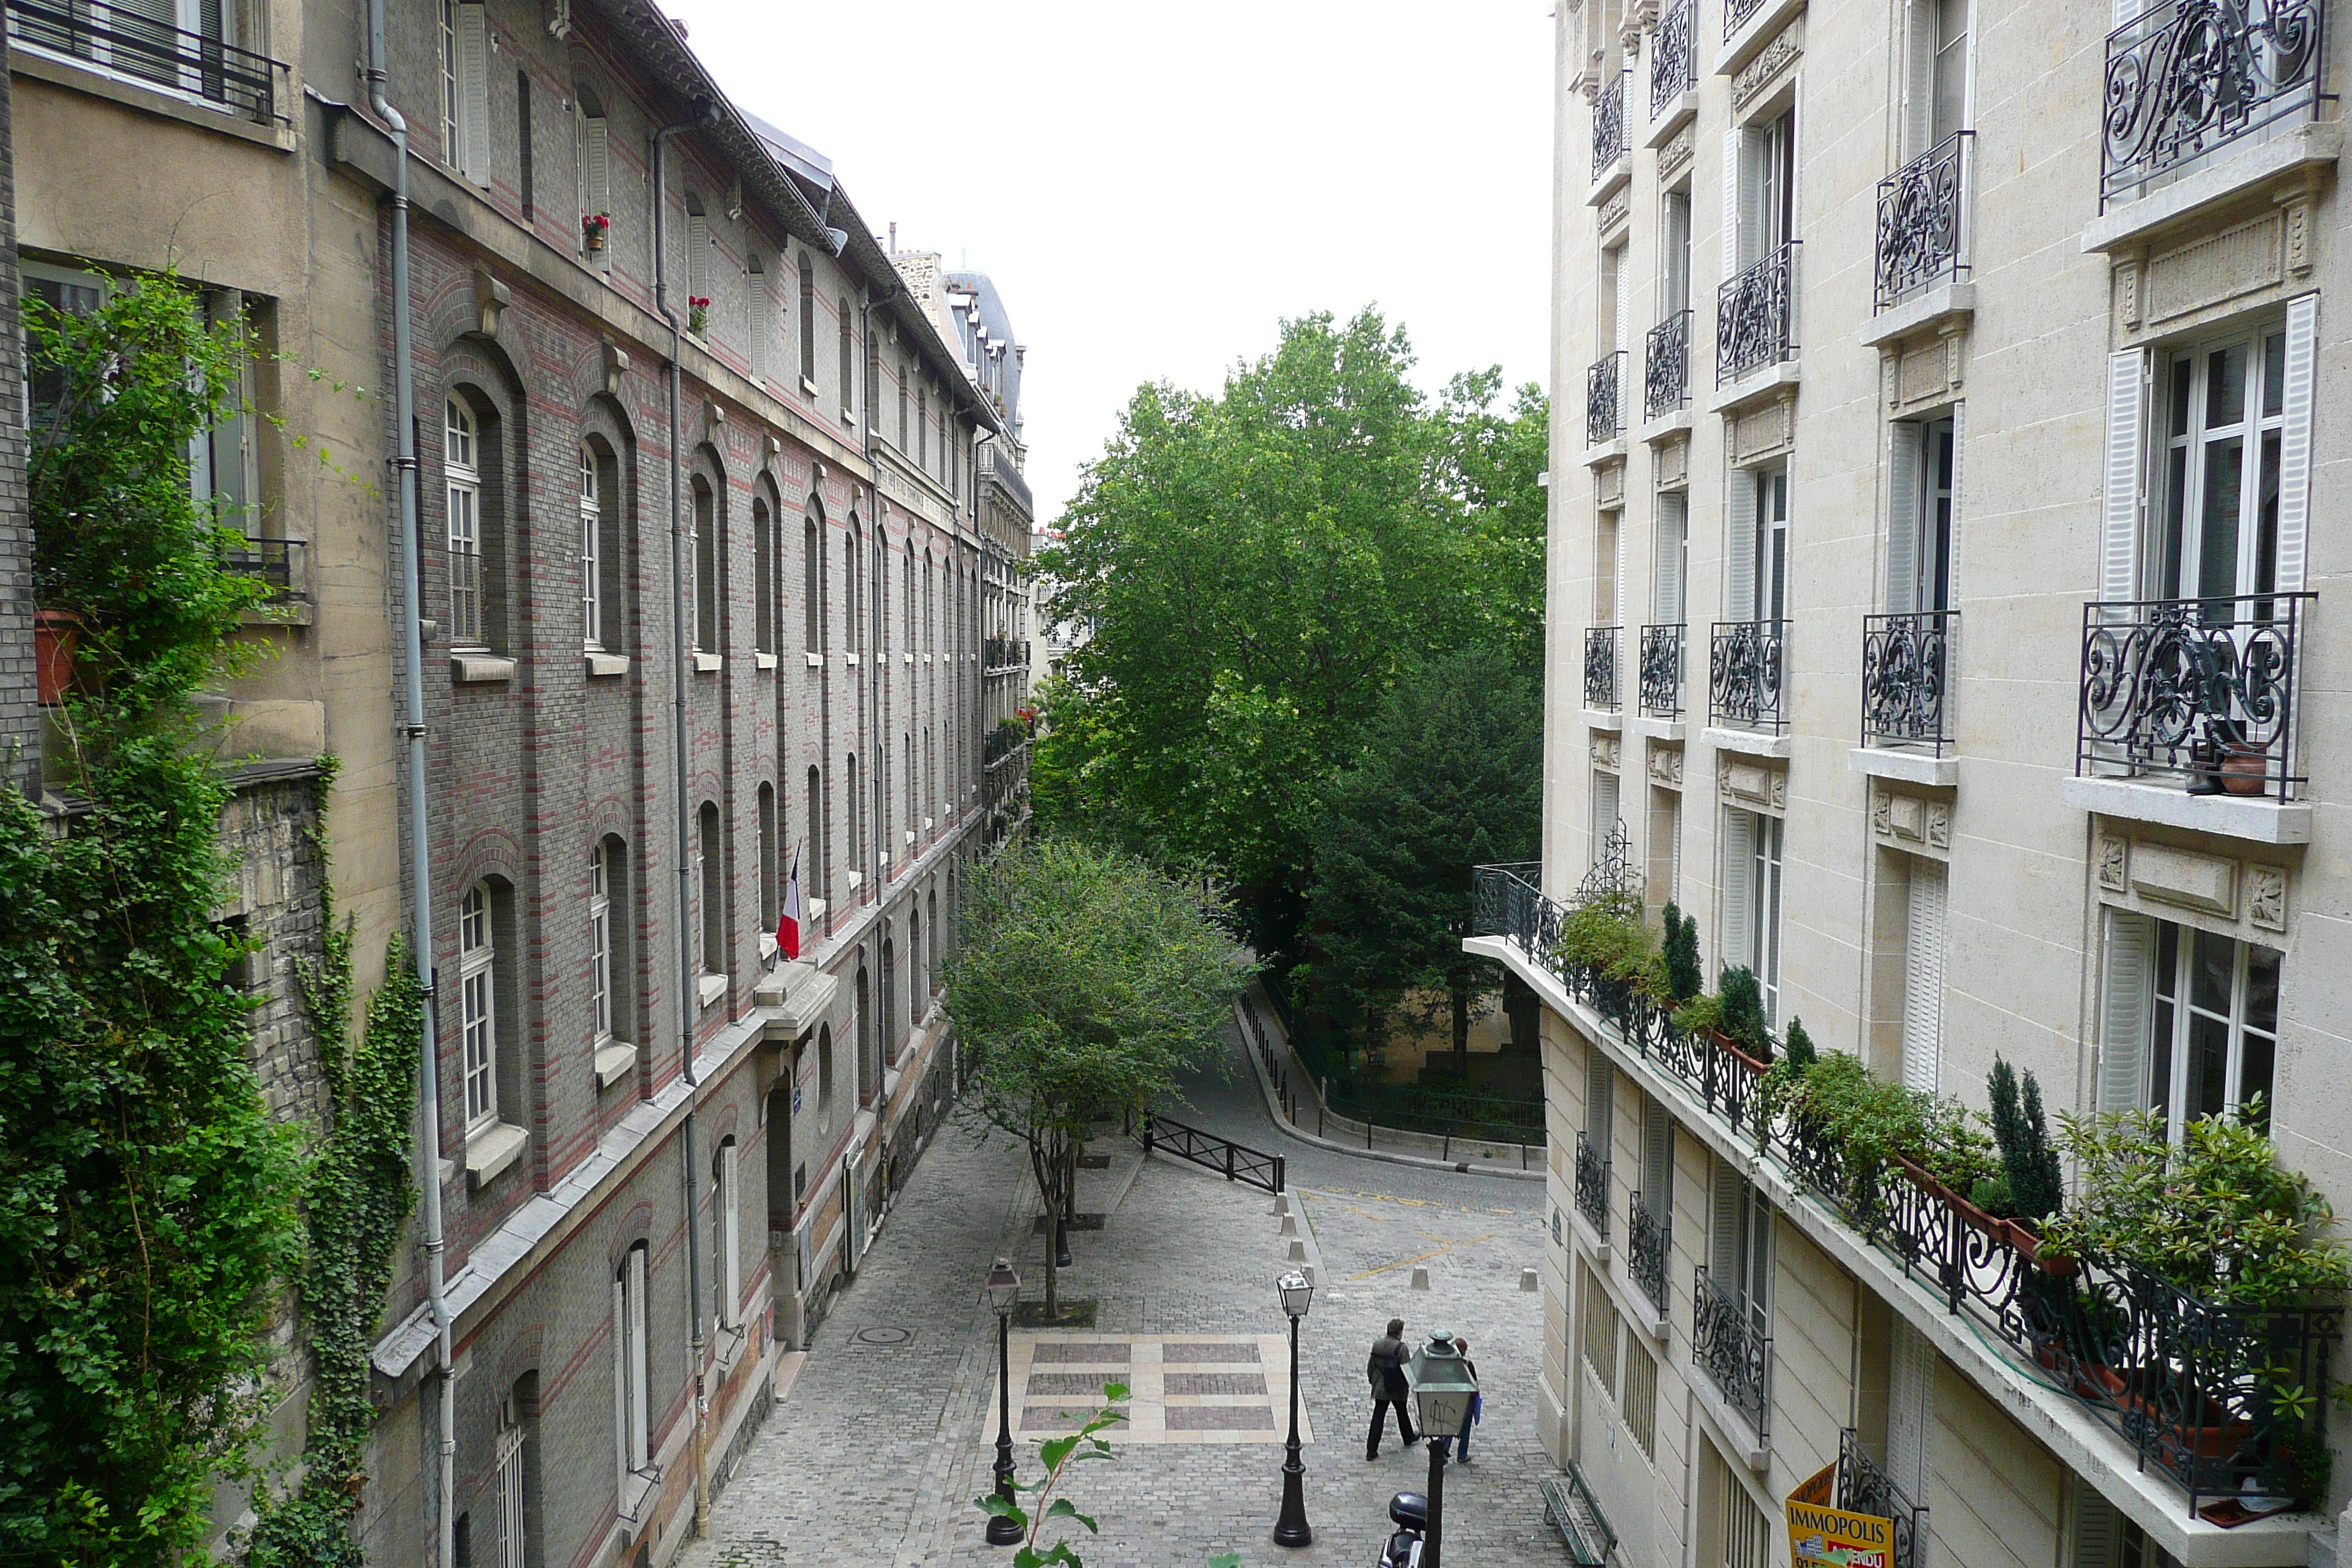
(1821, 1536)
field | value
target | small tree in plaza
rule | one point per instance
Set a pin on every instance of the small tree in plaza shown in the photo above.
(1085, 983)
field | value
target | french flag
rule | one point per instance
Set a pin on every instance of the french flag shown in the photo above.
(788, 924)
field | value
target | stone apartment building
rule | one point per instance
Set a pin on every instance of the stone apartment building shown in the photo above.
(1937, 611)
(711, 504)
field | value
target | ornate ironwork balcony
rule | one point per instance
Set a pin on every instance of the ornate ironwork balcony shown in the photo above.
(1601, 669)
(1728, 1342)
(2191, 1386)
(1608, 144)
(1753, 317)
(1662, 671)
(2201, 687)
(1674, 64)
(1666, 366)
(1745, 670)
(2187, 76)
(1921, 212)
(277, 561)
(1736, 14)
(1906, 662)
(1647, 1239)
(118, 39)
(1863, 1488)
(1604, 403)
(1592, 1186)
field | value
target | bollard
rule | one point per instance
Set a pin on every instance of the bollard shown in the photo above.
(1289, 1226)
(1282, 1202)
(1297, 1249)
(1420, 1277)
(1526, 1278)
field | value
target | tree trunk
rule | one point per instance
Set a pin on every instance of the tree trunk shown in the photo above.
(1046, 1165)
(1069, 1206)
(1461, 984)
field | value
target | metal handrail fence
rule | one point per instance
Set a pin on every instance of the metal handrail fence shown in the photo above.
(1234, 1162)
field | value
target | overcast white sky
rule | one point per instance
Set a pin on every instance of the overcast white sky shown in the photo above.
(1154, 187)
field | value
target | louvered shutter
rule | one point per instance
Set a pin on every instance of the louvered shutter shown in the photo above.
(1667, 579)
(2098, 1529)
(639, 1385)
(1756, 1279)
(2294, 440)
(1657, 1159)
(597, 167)
(474, 93)
(1723, 1243)
(1735, 201)
(757, 323)
(1923, 978)
(2123, 1011)
(1918, 76)
(730, 1248)
(1624, 314)
(2119, 525)
(1740, 547)
(1599, 1098)
(1910, 1409)
(1951, 564)
(698, 255)
(1738, 944)
(1604, 811)
(620, 1383)
(1905, 478)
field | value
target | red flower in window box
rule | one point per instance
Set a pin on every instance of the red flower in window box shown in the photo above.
(698, 313)
(592, 228)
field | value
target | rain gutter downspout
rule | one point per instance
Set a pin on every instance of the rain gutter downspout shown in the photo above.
(440, 1522)
(681, 672)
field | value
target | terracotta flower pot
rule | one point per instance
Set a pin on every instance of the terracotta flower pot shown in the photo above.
(2244, 769)
(56, 634)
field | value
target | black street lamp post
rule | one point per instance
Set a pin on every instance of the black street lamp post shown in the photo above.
(1443, 1387)
(1297, 1293)
(1003, 1291)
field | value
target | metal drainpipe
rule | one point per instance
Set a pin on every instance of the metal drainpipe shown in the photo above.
(682, 668)
(877, 776)
(420, 912)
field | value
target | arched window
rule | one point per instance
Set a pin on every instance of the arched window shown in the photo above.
(726, 1235)
(706, 636)
(755, 291)
(611, 971)
(923, 428)
(824, 1079)
(808, 324)
(591, 544)
(849, 364)
(517, 1462)
(768, 911)
(856, 821)
(600, 947)
(477, 993)
(460, 465)
(813, 584)
(763, 577)
(867, 1076)
(820, 848)
(711, 868)
(852, 559)
(630, 1388)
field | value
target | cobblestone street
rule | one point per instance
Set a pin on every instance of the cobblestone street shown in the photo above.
(888, 1431)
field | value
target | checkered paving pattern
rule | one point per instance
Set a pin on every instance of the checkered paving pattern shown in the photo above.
(1196, 1388)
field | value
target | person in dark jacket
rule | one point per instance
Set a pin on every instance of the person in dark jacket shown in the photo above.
(1477, 1401)
(1385, 1371)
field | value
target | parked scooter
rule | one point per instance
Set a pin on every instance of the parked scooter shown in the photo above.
(1411, 1512)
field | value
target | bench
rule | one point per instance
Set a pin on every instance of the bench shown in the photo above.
(1569, 1509)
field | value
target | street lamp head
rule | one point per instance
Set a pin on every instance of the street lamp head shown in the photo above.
(1003, 1287)
(1443, 1387)
(1297, 1293)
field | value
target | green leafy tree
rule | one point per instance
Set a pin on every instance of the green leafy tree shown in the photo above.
(1684, 978)
(2032, 1186)
(1449, 777)
(146, 1220)
(1085, 983)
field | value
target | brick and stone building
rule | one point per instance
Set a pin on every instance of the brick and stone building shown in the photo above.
(1939, 546)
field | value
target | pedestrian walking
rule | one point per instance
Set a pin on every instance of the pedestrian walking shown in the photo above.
(1385, 1371)
(1477, 1405)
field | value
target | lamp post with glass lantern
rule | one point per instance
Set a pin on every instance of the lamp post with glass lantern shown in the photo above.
(1297, 1293)
(1003, 1291)
(1442, 1387)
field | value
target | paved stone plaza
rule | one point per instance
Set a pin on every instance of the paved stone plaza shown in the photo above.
(888, 1431)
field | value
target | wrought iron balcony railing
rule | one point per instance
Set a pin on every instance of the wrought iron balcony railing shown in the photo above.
(2193, 1387)
(1744, 675)
(1601, 669)
(1754, 320)
(118, 39)
(1730, 1344)
(1666, 366)
(1592, 1186)
(1736, 14)
(277, 561)
(1662, 671)
(999, 654)
(1863, 1488)
(1674, 64)
(1648, 1237)
(1608, 146)
(1922, 219)
(1604, 403)
(1905, 666)
(2199, 688)
(2187, 76)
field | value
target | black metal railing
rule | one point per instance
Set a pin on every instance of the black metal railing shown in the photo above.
(1922, 215)
(1730, 1344)
(277, 561)
(1648, 1237)
(1609, 126)
(1754, 322)
(1592, 1185)
(1604, 402)
(1674, 64)
(1744, 675)
(1662, 671)
(1666, 366)
(2201, 687)
(1001, 654)
(1863, 1488)
(997, 464)
(2221, 1399)
(1601, 669)
(1905, 668)
(1736, 14)
(2186, 77)
(116, 39)
(1234, 1162)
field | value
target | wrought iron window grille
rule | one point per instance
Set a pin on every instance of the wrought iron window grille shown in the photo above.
(1754, 320)
(1666, 366)
(1601, 669)
(1905, 671)
(1592, 1186)
(1922, 219)
(2189, 76)
(1736, 14)
(1608, 144)
(116, 40)
(1605, 404)
(1745, 671)
(1674, 63)
(1662, 671)
(2201, 689)
(1728, 1342)
(1648, 1237)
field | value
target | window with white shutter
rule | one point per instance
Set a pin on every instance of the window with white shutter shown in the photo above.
(1673, 549)
(1910, 1409)
(1604, 811)
(630, 1388)
(1599, 1098)
(1738, 945)
(2130, 964)
(1923, 976)
(2098, 1527)
(1657, 1159)
(465, 88)
(698, 257)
